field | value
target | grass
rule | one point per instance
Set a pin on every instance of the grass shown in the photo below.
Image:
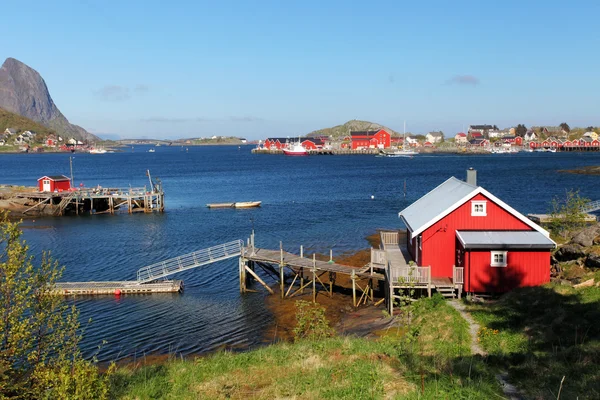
(429, 360)
(542, 334)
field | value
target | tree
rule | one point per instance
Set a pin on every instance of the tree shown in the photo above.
(39, 333)
(589, 129)
(565, 127)
(521, 130)
(567, 213)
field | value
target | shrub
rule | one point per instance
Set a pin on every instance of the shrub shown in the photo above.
(311, 322)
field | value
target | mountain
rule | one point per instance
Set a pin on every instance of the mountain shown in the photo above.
(24, 92)
(341, 131)
(21, 124)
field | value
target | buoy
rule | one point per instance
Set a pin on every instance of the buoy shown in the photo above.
(372, 197)
(117, 292)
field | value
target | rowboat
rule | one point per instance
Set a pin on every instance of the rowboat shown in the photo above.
(220, 205)
(247, 204)
(243, 204)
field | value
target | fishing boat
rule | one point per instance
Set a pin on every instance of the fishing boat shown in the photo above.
(405, 151)
(151, 151)
(295, 149)
(97, 151)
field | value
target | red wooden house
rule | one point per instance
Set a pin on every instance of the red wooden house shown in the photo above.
(312, 144)
(371, 139)
(460, 224)
(276, 143)
(54, 183)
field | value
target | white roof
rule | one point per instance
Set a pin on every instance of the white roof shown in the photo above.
(504, 240)
(446, 198)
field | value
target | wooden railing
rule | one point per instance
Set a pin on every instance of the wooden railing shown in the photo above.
(458, 275)
(388, 238)
(410, 274)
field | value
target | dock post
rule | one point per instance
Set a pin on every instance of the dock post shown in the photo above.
(129, 210)
(76, 205)
(241, 271)
(331, 284)
(301, 251)
(353, 277)
(281, 281)
(314, 279)
(301, 280)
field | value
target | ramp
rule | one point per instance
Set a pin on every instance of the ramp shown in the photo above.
(591, 206)
(192, 260)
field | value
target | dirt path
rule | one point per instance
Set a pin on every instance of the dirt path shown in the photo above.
(510, 391)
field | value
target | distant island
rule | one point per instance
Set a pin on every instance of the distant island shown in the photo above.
(201, 141)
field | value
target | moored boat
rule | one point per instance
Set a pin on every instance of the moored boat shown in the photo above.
(220, 205)
(247, 204)
(97, 151)
(296, 149)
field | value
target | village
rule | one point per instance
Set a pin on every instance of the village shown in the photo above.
(478, 138)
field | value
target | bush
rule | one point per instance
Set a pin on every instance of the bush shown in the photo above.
(39, 333)
(567, 213)
(311, 322)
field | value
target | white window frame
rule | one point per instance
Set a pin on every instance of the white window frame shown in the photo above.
(475, 211)
(494, 259)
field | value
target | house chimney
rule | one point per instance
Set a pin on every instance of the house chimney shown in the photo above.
(472, 176)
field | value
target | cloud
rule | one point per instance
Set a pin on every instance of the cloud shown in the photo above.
(464, 80)
(141, 88)
(245, 119)
(113, 93)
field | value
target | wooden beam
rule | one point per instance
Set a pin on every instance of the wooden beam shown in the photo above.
(258, 279)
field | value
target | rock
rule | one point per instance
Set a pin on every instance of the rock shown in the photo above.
(23, 91)
(597, 240)
(592, 261)
(586, 236)
(569, 252)
(588, 283)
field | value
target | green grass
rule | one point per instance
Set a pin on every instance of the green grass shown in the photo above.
(544, 333)
(429, 360)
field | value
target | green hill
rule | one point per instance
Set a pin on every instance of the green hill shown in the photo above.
(340, 131)
(22, 124)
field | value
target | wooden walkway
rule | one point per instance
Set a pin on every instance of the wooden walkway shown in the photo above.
(116, 287)
(306, 273)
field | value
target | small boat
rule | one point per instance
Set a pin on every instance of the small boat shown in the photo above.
(151, 151)
(242, 204)
(247, 204)
(220, 205)
(398, 153)
(296, 149)
(97, 151)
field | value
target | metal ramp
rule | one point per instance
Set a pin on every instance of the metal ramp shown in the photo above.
(192, 260)
(591, 206)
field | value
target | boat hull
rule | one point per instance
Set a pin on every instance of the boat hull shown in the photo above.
(295, 153)
(247, 204)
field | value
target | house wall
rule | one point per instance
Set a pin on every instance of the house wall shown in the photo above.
(438, 241)
(524, 268)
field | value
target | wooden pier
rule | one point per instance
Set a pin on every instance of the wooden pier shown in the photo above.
(117, 287)
(81, 201)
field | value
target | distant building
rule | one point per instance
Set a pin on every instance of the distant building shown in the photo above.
(412, 141)
(434, 137)
(530, 136)
(377, 139)
(483, 129)
(54, 183)
(591, 134)
(460, 138)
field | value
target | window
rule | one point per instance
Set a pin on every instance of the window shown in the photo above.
(478, 208)
(498, 259)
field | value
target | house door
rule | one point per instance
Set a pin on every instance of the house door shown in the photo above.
(46, 185)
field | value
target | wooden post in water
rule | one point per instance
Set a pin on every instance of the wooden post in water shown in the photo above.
(242, 272)
(331, 284)
(301, 280)
(353, 277)
(281, 277)
(314, 279)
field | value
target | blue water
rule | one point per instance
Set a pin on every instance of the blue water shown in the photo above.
(320, 202)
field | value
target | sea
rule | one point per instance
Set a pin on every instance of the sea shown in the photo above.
(319, 202)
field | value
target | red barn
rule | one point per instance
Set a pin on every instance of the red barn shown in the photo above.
(54, 183)
(371, 139)
(462, 225)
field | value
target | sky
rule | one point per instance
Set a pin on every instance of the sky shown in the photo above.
(173, 69)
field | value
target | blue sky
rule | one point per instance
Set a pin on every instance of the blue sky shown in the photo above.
(277, 68)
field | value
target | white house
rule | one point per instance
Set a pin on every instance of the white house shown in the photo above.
(434, 137)
(591, 134)
(412, 140)
(460, 138)
(530, 136)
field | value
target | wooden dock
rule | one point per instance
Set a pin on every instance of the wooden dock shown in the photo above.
(117, 287)
(547, 218)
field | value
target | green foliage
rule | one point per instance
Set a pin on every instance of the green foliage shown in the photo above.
(567, 213)
(39, 354)
(565, 127)
(311, 322)
(340, 131)
(21, 124)
(521, 130)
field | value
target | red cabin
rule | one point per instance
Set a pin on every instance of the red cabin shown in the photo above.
(54, 183)
(462, 225)
(371, 139)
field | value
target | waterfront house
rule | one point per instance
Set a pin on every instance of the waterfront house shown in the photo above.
(412, 141)
(54, 183)
(483, 129)
(50, 141)
(460, 225)
(591, 134)
(377, 139)
(513, 140)
(460, 138)
(275, 143)
(312, 143)
(478, 142)
(434, 137)
(530, 136)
